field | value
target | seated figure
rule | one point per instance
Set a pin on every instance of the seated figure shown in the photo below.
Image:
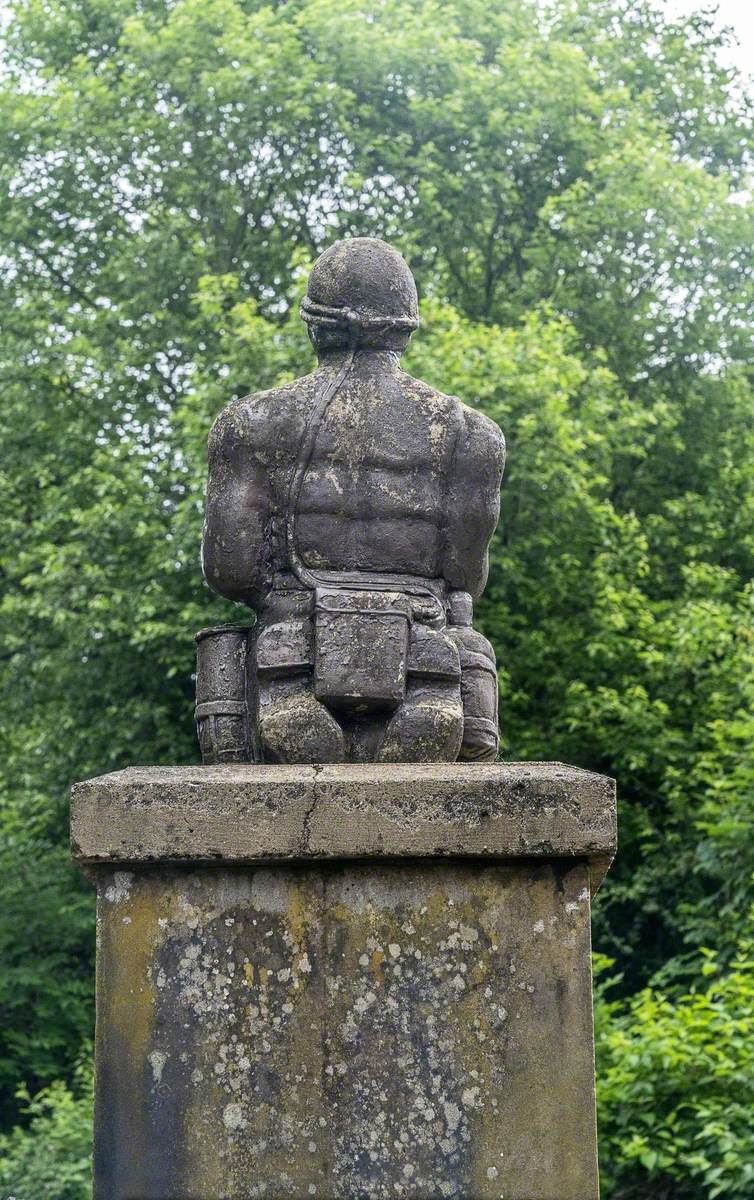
(351, 510)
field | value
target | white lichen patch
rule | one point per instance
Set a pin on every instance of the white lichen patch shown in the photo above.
(573, 906)
(157, 1060)
(120, 889)
(362, 1003)
(452, 1116)
(233, 1117)
(306, 1035)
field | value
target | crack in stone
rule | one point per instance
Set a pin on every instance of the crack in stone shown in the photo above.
(317, 768)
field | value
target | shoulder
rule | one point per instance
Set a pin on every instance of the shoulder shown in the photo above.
(428, 396)
(259, 418)
(480, 454)
(485, 434)
(435, 406)
(479, 427)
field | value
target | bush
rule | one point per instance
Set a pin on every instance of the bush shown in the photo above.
(676, 1088)
(50, 1158)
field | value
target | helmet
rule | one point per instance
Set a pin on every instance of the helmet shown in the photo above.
(361, 291)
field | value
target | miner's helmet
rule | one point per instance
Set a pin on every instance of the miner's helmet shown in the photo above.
(361, 293)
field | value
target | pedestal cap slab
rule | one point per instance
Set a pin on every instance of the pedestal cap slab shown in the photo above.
(256, 814)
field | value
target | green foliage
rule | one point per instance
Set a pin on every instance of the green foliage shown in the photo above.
(569, 182)
(676, 1087)
(46, 985)
(50, 1158)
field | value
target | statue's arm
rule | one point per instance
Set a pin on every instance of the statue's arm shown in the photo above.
(473, 499)
(234, 542)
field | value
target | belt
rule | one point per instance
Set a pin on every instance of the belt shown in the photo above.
(378, 581)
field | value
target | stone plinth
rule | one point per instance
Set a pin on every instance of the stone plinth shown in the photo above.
(345, 981)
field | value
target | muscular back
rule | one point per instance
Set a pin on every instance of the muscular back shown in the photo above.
(401, 479)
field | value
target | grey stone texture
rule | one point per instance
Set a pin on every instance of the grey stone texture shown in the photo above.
(244, 814)
(346, 981)
(351, 511)
(345, 1030)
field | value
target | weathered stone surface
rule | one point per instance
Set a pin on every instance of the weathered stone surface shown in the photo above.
(345, 981)
(418, 1029)
(351, 510)
(255, 813)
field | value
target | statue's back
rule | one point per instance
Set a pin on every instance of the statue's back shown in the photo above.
(352, 509)
(374, 492)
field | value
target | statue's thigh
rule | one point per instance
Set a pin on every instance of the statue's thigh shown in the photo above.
(293, 726)
(428, 725)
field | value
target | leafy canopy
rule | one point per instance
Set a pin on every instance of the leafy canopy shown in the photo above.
(569, 183)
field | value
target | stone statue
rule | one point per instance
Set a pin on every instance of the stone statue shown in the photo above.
(351, 510)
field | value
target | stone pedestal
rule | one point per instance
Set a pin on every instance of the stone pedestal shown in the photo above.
(345, 981)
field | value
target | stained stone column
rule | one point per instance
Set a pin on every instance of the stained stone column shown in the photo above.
(345, 981)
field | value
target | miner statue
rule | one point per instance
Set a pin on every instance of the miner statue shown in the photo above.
(351, 510)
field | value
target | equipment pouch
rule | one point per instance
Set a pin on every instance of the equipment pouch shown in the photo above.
(222, 718)
(360, 648)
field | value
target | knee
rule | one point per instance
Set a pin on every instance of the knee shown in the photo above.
(426, 728)
(296, 728)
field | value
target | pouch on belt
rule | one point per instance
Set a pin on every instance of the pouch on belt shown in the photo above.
(360, 648)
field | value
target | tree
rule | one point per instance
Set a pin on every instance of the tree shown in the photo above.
(569, 183)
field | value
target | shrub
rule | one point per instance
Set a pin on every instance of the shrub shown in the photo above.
(676, 1088)
(50, 1157)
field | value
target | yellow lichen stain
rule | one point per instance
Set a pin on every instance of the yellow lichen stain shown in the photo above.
(126, 1000)
(298, 915)
(127, 953)
(478, 973)
(377, 960)
(436, 904)
(248, 970)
